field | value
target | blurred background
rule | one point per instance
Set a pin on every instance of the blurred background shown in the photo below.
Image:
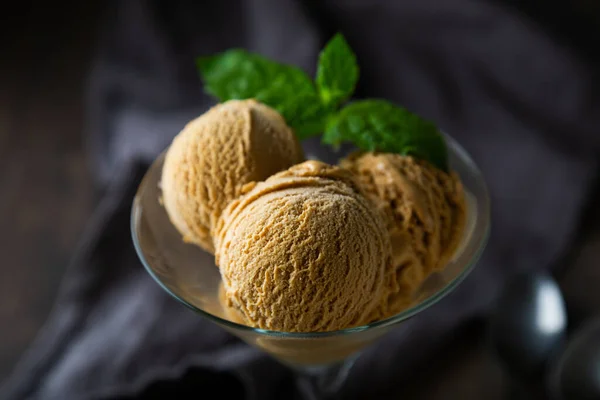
(47, 194)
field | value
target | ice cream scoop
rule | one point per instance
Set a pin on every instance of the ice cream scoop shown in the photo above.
(215, 155)
(425, 215)
(303, 251)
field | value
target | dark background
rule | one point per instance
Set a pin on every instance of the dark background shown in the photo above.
(47, 196)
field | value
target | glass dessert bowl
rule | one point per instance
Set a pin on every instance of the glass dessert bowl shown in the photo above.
(323, 358)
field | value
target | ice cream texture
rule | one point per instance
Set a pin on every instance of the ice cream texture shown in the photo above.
(425, 214)
(307, 246)
(215, 155)
(303, 251)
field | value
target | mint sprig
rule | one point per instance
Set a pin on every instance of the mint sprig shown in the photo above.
(317, 107)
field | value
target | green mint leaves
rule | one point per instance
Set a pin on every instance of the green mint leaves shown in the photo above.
(313, 108)
(378, 125)
(237, 74)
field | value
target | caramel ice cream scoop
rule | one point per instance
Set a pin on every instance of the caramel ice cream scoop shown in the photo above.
(302, 251)
(215, 155)
(425, 214)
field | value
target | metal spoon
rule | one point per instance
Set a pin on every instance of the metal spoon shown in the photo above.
(576, 375)
(528, 326)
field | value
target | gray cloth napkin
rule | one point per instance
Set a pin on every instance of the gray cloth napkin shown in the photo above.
(523, 106)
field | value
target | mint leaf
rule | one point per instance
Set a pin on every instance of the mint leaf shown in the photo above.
(304, 112)
(378, 125)
(337, 72)
(232, 75)
(239, 74)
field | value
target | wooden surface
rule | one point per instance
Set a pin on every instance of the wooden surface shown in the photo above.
(46, 197)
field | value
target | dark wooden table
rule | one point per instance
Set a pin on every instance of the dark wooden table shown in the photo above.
(46, 193)
(47, 196)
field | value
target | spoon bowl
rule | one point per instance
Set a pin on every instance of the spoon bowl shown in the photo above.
(528, 325)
